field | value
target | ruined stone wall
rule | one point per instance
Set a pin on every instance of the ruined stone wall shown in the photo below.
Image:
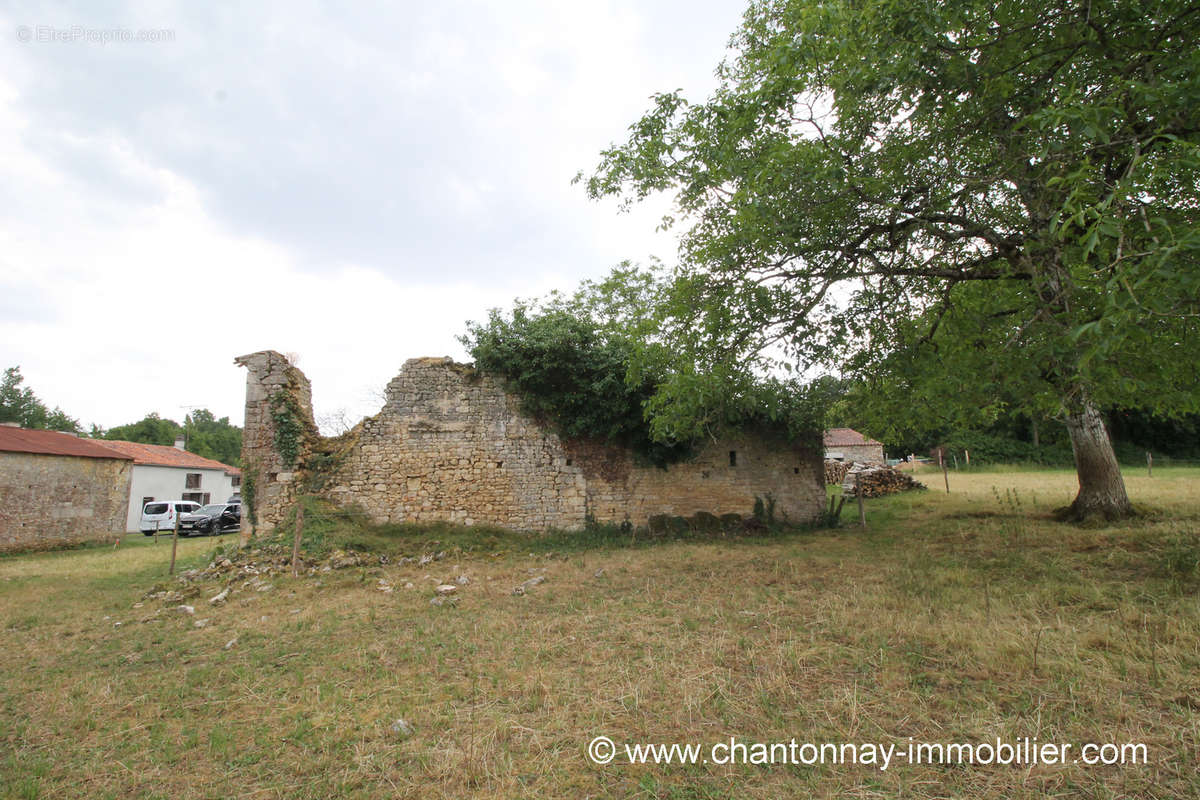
(276, 392)
(450, 444)
(724, 477)
(50, 501)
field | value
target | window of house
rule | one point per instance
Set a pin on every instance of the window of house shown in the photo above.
(147, 500)
(237, 481)
(733, 458)
(195, 497)
(192, 481)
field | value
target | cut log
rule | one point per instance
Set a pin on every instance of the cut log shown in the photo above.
(835, 471)
(877, 480)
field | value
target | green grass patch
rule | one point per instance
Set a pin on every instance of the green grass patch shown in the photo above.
(950, 617)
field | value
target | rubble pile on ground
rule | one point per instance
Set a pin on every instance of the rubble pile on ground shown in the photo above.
(253, 570)
(275, 559)
(877, 480)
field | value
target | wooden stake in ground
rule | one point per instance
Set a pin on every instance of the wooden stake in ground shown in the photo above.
(174, 543)
(1149, 465)
(296, 542)
(862, 510)
(945, 473)
(967, 453)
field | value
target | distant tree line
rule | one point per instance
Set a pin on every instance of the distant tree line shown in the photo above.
(1000, 434)
(204, 434)
(19, 404)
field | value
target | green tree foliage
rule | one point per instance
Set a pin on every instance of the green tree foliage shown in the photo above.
(593, 364)
(982, 198)
(567, 371)
(1003, 433)
(19, 404)
(206, 435)
(151, 429)
(214, 438)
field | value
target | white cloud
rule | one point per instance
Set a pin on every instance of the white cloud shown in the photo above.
(351, 187)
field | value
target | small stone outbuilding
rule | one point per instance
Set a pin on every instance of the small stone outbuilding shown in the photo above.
(451, 444)
(847, 444)
(57, 489)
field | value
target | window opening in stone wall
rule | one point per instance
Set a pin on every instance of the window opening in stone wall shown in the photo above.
(733, 458)
(192, 481)
(795, 470)
(568, 462)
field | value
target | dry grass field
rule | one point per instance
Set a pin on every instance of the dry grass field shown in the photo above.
(950, 618)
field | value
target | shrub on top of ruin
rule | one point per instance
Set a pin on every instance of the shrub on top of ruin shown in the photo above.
(594, 365)
(568, 372)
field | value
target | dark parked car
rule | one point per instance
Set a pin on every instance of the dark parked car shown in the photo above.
(215, 518)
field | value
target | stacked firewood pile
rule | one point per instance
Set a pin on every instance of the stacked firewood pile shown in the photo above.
(877, 480)
(835, 471)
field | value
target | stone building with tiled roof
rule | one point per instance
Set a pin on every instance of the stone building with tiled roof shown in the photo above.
(57, 489)
(847, 444)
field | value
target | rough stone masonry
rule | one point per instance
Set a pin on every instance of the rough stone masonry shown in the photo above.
(451, 444)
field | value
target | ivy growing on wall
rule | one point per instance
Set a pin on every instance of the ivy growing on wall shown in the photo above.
(249, 487)
(285, 414)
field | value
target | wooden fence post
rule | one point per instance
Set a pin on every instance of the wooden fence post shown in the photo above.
(1149, 465)
(945, 474)
(174, 543)
(296, 542)
(862, 511)
(967, 453)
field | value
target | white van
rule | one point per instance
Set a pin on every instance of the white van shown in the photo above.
(160, 515)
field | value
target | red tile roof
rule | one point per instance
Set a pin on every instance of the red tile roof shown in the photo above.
(53, 443)
(160, 455)
(847, 437)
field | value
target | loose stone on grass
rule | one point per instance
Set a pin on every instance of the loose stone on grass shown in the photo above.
(529, 584)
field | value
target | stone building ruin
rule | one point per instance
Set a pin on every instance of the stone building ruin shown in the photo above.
(451, 444)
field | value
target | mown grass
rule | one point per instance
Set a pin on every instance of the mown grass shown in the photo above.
(959, 617)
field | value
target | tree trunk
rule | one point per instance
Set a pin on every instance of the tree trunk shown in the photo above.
(1101, 487)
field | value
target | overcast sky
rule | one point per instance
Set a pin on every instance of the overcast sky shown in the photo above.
(348, 184)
